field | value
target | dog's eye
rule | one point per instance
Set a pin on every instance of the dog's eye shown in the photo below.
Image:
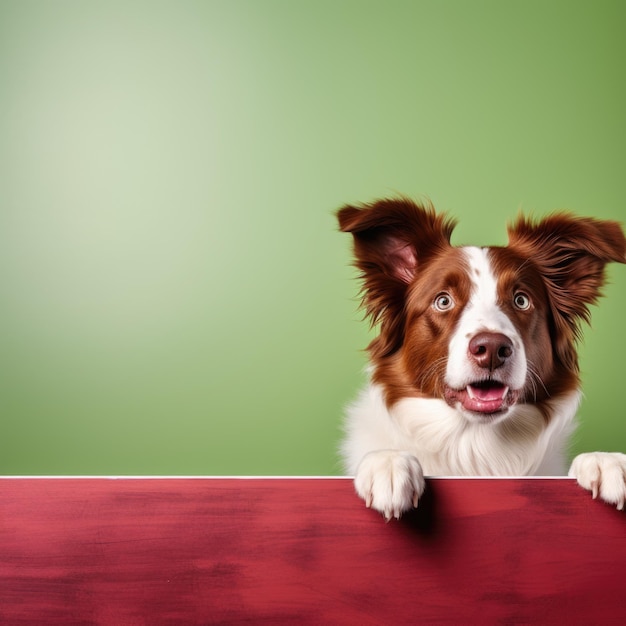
(521, 301)
(443, 302)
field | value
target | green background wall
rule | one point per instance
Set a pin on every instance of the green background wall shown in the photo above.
(175, 298)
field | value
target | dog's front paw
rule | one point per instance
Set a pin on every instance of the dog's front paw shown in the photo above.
(390, 481)
(602, 473)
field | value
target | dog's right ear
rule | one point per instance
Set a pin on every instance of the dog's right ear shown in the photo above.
(391, 239)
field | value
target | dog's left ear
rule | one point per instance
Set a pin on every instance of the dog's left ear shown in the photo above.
(571, 253)
(392, 239)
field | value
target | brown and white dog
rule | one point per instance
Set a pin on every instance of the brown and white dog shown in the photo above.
(474, 370)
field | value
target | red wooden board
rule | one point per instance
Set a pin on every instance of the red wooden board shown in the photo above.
(306, 551)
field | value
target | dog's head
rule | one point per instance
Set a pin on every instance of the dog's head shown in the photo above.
(484, 329)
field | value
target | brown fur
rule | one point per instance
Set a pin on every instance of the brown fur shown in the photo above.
(403, 252)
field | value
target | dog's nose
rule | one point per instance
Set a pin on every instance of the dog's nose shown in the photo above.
(490, 350)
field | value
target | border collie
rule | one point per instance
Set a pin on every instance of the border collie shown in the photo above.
(474, 370)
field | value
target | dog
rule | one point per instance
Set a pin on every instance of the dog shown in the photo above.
(474, 370)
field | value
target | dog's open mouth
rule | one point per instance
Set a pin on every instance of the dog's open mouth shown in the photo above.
(486, 397)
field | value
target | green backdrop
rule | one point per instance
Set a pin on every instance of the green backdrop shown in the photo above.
(175, 298)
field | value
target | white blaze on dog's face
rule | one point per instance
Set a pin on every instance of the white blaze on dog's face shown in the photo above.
(487, 367)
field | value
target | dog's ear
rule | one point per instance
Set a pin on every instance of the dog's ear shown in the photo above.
(391, 239)
(571, 253)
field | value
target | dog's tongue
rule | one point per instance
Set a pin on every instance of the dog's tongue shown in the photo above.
(485, 397)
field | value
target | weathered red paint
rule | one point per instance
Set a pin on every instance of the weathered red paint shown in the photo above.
(306, 551)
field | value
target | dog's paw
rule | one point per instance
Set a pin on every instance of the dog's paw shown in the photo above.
(602, 473)
(390, 481)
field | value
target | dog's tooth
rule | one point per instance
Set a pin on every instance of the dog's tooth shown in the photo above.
(470, 392)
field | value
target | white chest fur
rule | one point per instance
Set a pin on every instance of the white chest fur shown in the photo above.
(446, 444)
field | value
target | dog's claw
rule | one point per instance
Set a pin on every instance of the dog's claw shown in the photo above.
(389, 481)
(602, 473)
